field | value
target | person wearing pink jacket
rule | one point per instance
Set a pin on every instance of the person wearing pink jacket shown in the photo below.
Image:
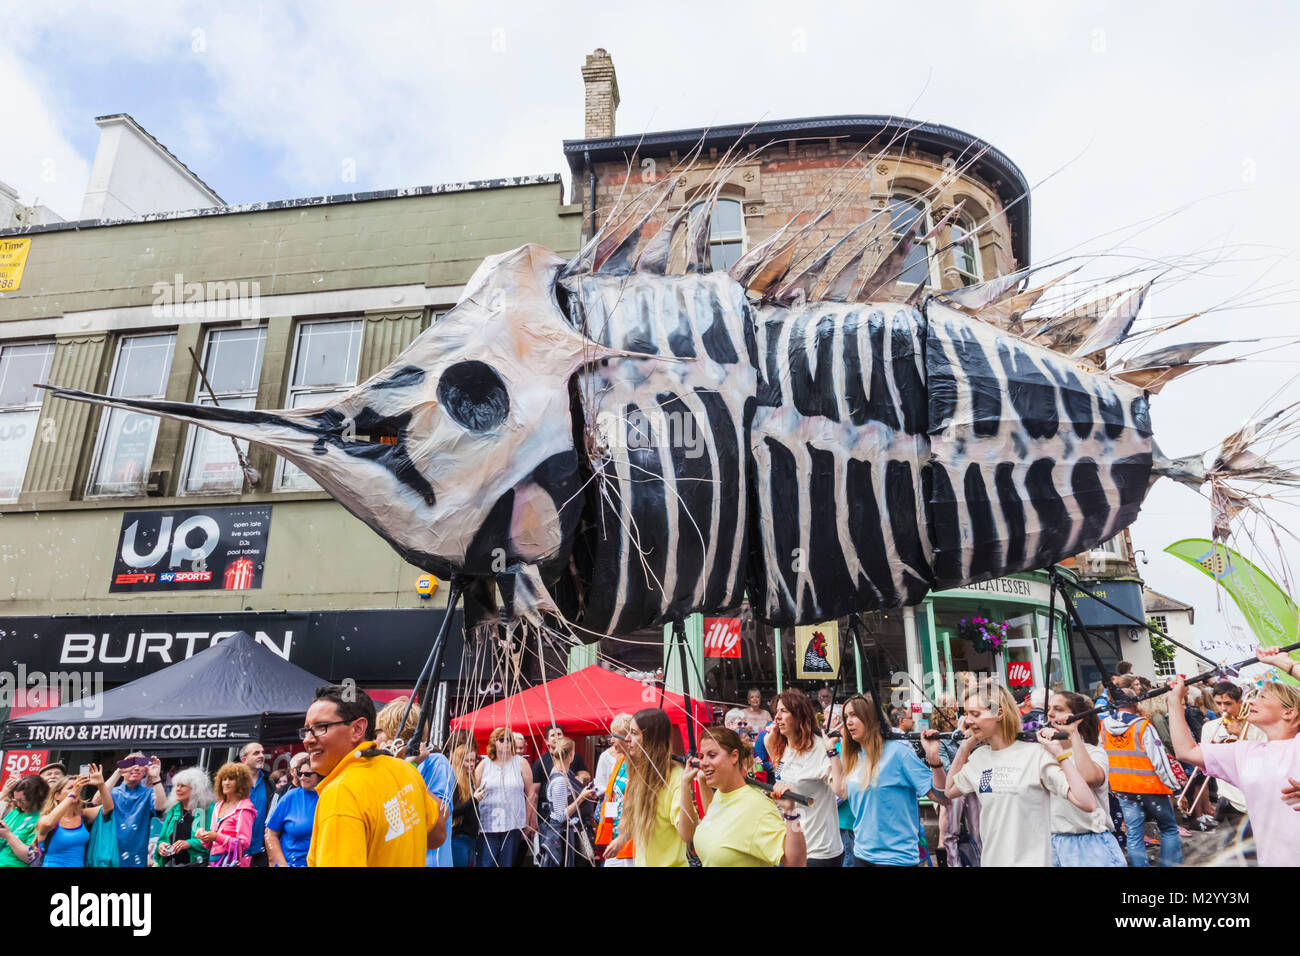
(232, 818)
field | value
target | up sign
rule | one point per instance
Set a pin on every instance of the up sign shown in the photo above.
(216, 548)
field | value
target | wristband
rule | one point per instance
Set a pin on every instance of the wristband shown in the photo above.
(934, 766)
(832, 753)
(1061, 758)
(789, 817)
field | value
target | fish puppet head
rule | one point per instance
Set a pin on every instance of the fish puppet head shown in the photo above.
(460, 453)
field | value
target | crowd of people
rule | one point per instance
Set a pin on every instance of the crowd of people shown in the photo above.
(1043, 780)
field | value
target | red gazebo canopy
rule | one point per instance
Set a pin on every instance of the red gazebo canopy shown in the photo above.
(583, 703)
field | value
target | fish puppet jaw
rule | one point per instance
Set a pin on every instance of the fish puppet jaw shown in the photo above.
(472, 475)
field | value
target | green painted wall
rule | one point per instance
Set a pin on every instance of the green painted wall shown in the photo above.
(318, 557)
(432, 240)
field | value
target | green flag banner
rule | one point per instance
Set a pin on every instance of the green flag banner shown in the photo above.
(1269, 611)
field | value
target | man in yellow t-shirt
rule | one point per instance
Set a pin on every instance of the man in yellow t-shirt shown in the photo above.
(371, 809)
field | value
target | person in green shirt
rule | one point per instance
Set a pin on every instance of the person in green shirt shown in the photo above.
(21, 805)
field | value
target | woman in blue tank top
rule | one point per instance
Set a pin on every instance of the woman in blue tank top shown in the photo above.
(65, 824)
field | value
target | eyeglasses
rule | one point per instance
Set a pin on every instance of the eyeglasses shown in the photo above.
(318, 730)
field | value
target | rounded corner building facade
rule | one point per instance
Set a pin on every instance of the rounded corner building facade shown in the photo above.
(890, 172)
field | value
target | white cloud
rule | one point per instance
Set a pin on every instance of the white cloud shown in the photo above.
(36, 157)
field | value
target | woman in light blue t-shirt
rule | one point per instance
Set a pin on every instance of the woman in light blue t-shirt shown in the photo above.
(883, 782)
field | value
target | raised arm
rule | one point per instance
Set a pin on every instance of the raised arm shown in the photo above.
(114, 779)
(1278, 658)
(938, 776)
(155, 781)
(952, 791)
(1093, 775)
(1186, 747)
(1079, 793)
(49, 821)
(103, 793)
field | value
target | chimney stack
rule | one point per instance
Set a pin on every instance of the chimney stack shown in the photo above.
(602, 94)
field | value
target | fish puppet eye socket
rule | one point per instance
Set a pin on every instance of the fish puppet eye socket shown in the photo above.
(474, 396)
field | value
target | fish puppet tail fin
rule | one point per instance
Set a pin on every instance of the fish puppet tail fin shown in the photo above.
(1240, 460)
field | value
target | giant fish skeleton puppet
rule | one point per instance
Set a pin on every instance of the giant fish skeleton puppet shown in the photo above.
(614, 446)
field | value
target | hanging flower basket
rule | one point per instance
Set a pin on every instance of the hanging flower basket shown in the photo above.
(984, 634)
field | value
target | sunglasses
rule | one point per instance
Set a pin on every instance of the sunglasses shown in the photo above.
(308, 773)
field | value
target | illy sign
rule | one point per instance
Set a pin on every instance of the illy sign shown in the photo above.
(722, 637)
(1019, 674)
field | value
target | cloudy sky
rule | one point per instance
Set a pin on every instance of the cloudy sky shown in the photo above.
(1119, 117)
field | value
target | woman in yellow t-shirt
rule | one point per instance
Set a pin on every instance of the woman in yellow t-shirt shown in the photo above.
(658, 806)
(741, 825)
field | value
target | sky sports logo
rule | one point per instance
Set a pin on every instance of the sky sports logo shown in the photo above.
(164, 577)
(182, 576)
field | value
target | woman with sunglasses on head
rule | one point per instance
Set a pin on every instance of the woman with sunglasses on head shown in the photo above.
(884, 781)
(288, 828)
(1013, 780)
(807, 762)
(741, 825)
(1079, 838)
(508, 803)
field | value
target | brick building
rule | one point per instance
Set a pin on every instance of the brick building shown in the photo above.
(895, 170)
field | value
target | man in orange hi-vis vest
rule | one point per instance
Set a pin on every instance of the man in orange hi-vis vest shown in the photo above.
(1140, 776)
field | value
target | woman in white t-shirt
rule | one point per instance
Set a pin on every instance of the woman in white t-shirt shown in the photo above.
(1078, 838)
(1013, 780)
(808, 763)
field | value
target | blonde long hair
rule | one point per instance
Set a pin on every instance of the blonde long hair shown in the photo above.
(464, 783)
(649, 770)
(999, 700)
(867, 753)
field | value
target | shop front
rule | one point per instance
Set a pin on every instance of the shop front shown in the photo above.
(909, 656)
(1017, 606)
(62, 658)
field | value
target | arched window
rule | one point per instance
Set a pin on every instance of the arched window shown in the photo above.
(905, 207)
(965, 251)
(726, 232)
